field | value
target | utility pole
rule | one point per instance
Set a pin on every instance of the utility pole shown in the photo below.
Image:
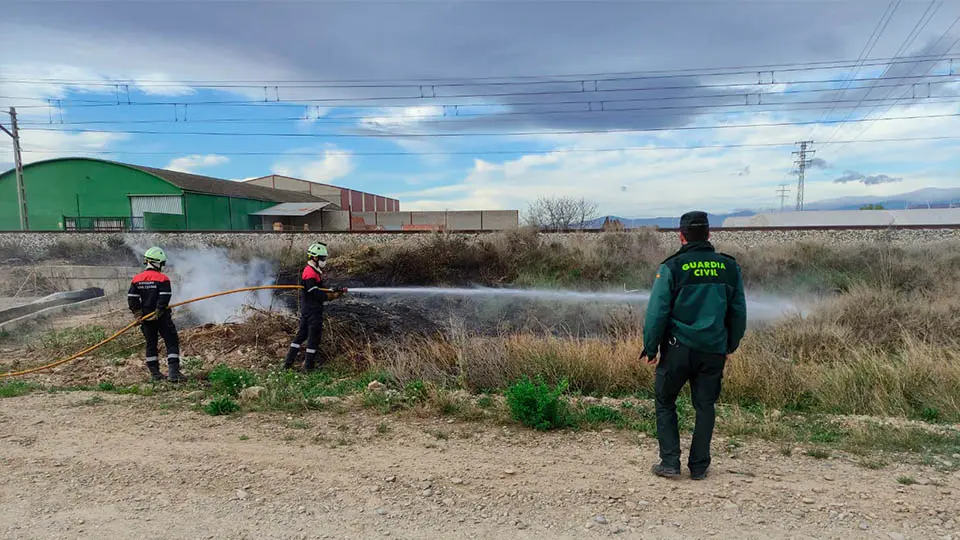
(802, 163)
(783, 192)
(14, 133)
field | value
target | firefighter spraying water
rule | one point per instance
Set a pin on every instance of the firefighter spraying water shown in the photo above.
(313, 296)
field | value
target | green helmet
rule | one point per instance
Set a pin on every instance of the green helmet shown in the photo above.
(317, 250)
(155, 257)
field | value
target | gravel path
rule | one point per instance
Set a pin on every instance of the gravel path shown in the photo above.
(83, 465)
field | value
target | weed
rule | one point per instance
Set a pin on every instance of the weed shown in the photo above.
(906, 480)
(298, 424)
(106, 386)
(383, 428)
(599, 415)
(221, 405)
(786, 450)
(930, 414)
(439, 435)
(191, 365)
(230, 381)
(818, 453)
(873, 464)
(535, 404)
(415, 391)
(485, 401)
(94, 400)
(244, 438)
(16, 389)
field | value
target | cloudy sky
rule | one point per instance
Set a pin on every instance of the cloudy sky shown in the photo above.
(648, 108)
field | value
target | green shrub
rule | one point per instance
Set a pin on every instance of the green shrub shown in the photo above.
(535, 404)
(230, 381)
(15, 389)
(596, 415)
(221, 405)
(415, 391)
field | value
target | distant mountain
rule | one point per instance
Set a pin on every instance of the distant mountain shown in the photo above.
(921, 197)
(664, 222)
(934, 197)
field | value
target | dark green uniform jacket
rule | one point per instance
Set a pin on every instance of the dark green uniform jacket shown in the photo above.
(698, 299)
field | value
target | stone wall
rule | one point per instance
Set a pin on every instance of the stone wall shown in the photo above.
(12, 243)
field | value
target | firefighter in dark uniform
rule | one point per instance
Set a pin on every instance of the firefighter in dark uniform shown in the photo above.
(149, 295)
(311, 309)
(696, 316)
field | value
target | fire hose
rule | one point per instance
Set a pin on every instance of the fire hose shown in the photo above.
(137, 322)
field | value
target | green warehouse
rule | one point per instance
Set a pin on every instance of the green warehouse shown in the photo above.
(93, 194)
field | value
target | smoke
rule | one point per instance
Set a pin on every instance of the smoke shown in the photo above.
(199, 272)
(856, 176)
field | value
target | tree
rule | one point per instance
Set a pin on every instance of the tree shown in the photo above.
(560, 213)
(872, 207)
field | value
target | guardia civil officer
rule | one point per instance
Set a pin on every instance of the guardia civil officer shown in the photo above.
(696, 316)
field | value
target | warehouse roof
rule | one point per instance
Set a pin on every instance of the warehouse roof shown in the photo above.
(227, 188)
(835, 218)
(292, 209)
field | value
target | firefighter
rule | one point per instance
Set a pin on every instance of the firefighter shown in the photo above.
(311, 309)
(696, 316)
(149, 295)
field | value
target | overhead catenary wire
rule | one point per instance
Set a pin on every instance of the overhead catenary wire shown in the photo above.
(470, 134)
(133, 325)
(824, 65)
(790, 143)
(744, 89)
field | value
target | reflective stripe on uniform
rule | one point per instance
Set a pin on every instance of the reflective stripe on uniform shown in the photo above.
(151, 359)
(169, 356)
(313, 289)
(166, 293)
(133, 295)
(311, 351)
(294, 345)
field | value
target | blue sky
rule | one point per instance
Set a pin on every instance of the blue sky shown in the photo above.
(85, 56)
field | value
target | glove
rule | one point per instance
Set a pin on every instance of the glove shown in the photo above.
(336, 293)
(151, 317)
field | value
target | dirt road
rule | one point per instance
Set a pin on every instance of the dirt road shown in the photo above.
(85, 465)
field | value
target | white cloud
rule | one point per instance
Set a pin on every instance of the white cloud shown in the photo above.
(652, 181)
(193, 162)
(330, 164)
(42, 145)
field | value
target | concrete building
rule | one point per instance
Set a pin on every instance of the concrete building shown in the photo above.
(849, 218)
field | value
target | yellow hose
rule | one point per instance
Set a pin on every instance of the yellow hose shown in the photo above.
(138, 321)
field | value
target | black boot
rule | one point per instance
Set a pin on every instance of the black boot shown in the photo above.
(173, 371)
(310, 362)
(154, 367)
(291, 357)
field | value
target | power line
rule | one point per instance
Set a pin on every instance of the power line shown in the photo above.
(472, 134)
(907, 42)
(423, 100)
(486, 152)
(902, 96)
(480, 81)
(865, 52)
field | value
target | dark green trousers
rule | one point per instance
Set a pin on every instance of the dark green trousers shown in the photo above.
(679, 364)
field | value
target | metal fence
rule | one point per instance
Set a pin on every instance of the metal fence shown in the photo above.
(101, 224)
